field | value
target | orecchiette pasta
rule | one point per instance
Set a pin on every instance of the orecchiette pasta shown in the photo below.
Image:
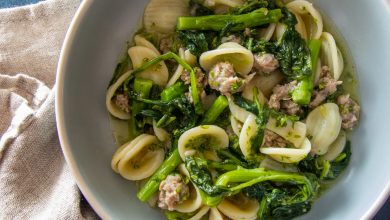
(300, 26)
(239, 113)
(190, 58)
(331, 55)
(288, 155)
(111, 106)
(239, 56)
(248, 92)
(179, 70)
(267, 33)
(209, 135)
(302, 7)
(267, 82)
(141, 41)
(202, 212)
(336, 147)
(323, 127)
(294, 132)
(138, 159)
(161, 15)
(215, 214)
(242, 208)
(249, 130)
(158, 73)
(194, 201)
(236, 125)
(161, 134)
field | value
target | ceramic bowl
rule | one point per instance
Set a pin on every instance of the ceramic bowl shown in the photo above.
(96, 39)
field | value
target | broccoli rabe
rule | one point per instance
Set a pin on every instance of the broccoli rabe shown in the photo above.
(254, 18)
(297, 59)
(327, 170)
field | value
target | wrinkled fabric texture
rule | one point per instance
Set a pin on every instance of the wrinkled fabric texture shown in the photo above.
(35, 181)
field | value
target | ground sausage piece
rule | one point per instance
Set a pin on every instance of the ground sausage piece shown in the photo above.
(222, 77)
(281, 99)
(247, 32)
(173, 191)
(265, 63)
(200, 77)
(289, 107)
(349, 110)
(122, 101)
(165, 44)
(327, 85)
(271, 139)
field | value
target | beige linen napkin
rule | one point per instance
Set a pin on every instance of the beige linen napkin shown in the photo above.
(35, 182)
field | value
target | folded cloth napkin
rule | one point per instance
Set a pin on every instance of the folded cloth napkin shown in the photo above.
(35, 181)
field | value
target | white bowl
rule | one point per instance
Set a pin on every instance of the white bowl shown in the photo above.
(96, 39)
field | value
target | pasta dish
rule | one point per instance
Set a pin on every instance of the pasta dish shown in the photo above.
(232, 109)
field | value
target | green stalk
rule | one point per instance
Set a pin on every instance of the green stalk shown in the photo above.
(302, 93)
(315, 47)
(142, 87)
(239, 22)
(249, 177)
(211, 201)
(163, 171)
(263, 208)
(173, 91)
(215, 110)
(170, 55)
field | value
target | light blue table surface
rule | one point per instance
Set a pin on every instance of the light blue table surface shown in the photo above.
(14, 3)
(383, 214)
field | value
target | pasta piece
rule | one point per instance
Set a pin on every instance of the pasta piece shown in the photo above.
(239, 113)
(215, 214)
(294, 132)
(194, 201)
(267, 82)
(190, 58)
(323, 127)
(161, 134)
(318, 72)
(279, 31)
(239, 208)
(138, 159)
(336, 147)
(271, 164)
(161, 15)
(288, 155)
(230, 3)
(202, 212)
(141, 41)
(236, 125)
(247, 92)
(300, 26)
(157, 73)
(266, 33)
(331, 55)
(249, 130)
(179, 70)
(206, 135)
(302, 7)
(239, 56)
(112, 108)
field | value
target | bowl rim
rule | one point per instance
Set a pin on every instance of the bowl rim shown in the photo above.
(59, 110)
(64, 140)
